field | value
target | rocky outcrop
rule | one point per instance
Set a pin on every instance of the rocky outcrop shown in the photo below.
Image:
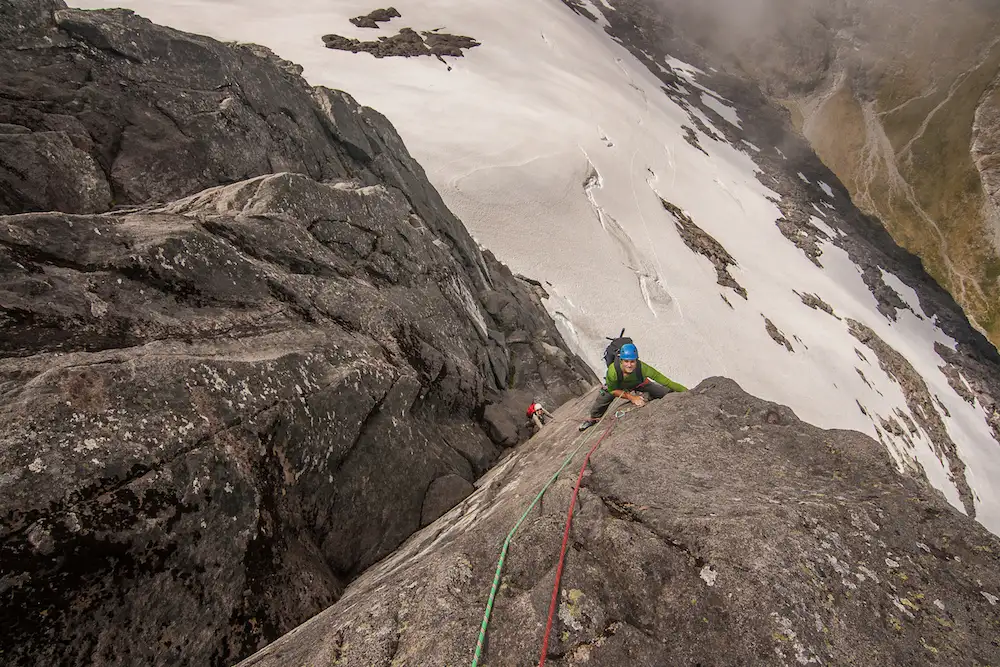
(816, 303)
(406, 43)
(253, 379)
(699, 241)
(373, 18)
(922, 406)
(580, 8)
(776, 335)
(712, 528)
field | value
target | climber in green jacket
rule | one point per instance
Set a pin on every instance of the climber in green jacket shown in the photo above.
(625, 378)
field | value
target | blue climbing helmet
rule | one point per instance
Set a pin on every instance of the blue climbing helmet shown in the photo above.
(628, 352)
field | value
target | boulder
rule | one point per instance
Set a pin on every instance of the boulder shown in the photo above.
(500, 426)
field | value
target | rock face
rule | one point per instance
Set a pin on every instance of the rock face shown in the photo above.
(712, 528)
(253, 379)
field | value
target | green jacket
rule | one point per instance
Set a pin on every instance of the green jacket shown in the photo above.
(632, 380)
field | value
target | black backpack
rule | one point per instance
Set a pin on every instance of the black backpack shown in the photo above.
(611, 354)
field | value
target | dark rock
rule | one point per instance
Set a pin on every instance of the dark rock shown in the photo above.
(372, 19)
(501, 428)
(42, 168)
(407, 43)
(888, 299)
(816, 303)
(118, 117)
(219, 410)
(701, 242)
(442, 44)
(444, 493)
(580, 9)
(712, 528)
(776, 335)
(692, 139)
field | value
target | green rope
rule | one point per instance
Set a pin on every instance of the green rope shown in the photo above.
(481, 642)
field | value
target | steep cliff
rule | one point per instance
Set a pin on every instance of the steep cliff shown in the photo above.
(276, 358)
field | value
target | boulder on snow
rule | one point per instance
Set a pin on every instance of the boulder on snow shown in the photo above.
(712, 528)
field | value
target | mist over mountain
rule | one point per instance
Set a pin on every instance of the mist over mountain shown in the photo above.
(900, 99)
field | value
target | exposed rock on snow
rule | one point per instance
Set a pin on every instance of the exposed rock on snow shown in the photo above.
(712, 528)
(984, 387)
(692, 138)
(580, 8)
(407, 43)
(921, 404)
(372, 19)
(888, 299)
(702, 243)
(776, 334)
(816, 303)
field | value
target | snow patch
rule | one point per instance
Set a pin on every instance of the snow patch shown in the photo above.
(728, 113)
(905, 292)
(825, 228)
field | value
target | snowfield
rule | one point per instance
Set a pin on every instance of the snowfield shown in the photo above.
(554, 145)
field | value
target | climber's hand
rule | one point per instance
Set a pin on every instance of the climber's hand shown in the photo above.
(637, 400)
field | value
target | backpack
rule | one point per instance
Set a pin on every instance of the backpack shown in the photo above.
(611, 354)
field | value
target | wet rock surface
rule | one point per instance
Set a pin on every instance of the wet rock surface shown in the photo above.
(712, 528)
(254, 378)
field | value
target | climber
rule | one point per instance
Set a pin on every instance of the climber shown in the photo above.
(627, 376)
(537, 416)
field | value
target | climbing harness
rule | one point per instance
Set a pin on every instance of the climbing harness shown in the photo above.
(481, 641)
(565, 542)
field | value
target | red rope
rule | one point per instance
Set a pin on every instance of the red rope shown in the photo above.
(565, 542)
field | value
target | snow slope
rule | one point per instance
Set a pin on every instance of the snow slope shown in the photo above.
(553, 144)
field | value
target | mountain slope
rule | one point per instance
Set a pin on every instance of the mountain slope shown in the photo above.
(603, 165)
(899, 99)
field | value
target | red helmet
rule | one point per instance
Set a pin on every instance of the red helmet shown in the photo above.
(533, 408)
